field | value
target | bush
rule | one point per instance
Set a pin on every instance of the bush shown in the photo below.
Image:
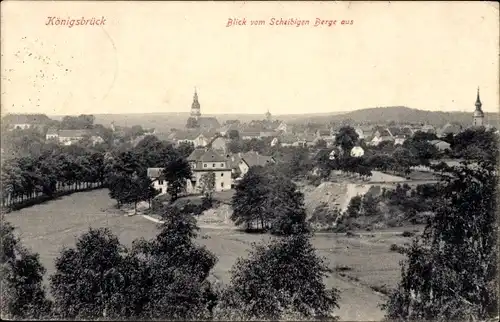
(407, 234)
(397, 248)
(342, 268)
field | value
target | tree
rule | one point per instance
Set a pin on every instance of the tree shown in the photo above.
(185, 149)
(77, 122)
(178, 270)
(233, 135)
(89, 281)
(235, 146)
(249, 199)
(403, 160)
(154, 153)
(207, 184)
(285, 206)
(369, 206)
(320, 144)
(424, 136)
(256, 291)
(354, 207)
(451, 271)
(347, 138)
(422, 150)
(21, 273)
(477, 144)
(176, 172)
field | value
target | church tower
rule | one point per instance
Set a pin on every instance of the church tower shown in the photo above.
(195, 107)
(478, 119)
(268, 116)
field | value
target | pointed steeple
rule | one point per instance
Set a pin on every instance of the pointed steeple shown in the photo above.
(478, 101)
(195, 107)
(478, 115)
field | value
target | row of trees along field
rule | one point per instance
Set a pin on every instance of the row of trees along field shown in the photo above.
(35, 169)
(53, 170)
(166, 277)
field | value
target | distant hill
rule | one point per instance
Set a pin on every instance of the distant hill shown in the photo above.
(403, 114)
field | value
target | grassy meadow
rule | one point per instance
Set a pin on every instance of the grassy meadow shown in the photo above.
(362, 264)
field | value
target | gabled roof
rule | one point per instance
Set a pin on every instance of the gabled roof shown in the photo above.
(73, 133)
(155, 172)
(212, 156)
(394, 131)
(185, 135)
(451, 128)
(196, 154)
(289, 138)
(208, 122)
(234, 160)
(407, 131)
(250, 134)
(229, 127)
(52, 131)
(255, 159)
(218, 137)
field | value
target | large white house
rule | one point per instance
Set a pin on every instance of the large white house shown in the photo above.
(202, 161)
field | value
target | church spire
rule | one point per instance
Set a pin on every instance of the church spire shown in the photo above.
(195, 107)
(478, 101)
(478, 115)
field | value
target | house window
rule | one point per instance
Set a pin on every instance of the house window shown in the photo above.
(222, 164)
(213, 165)
(205, 165)
(160, 182)
(222, 184)
(222, 174)
(161, 190)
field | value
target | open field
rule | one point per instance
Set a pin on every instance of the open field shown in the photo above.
(46, 228)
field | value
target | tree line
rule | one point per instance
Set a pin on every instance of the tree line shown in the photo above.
(61, 170)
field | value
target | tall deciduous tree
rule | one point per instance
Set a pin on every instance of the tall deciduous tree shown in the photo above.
(176, 172)
(207, 183)
(256, 291)
(347, 138)
(89, 282)
(250, 199)
(286, 209)
(21, 274)
(178, 270)
(451, 272)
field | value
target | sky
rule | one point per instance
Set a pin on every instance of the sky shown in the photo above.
(149, 56)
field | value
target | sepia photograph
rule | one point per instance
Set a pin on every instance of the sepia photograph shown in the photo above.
(249, 160)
